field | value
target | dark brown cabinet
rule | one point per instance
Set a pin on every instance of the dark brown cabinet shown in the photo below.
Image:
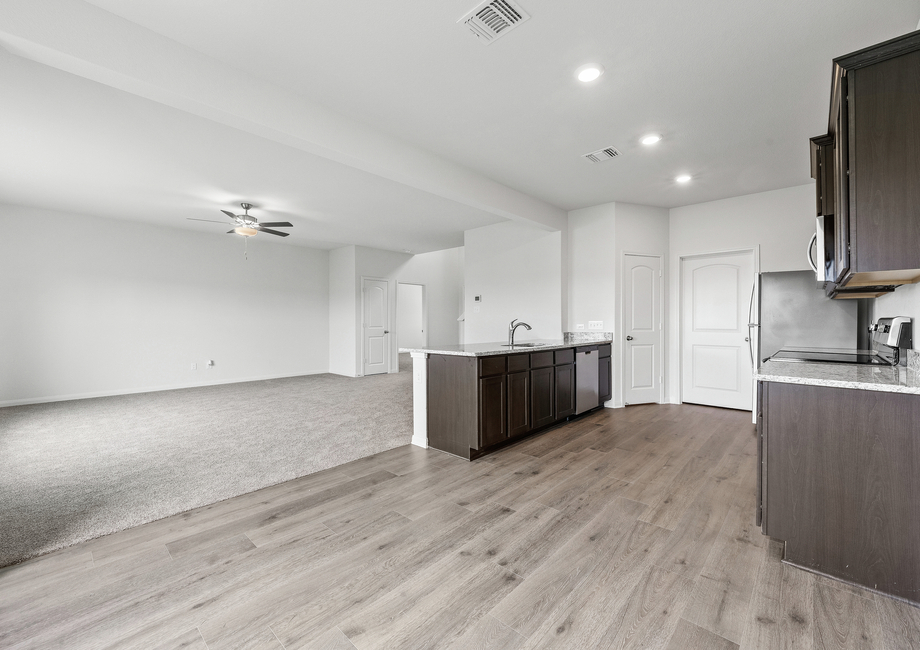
(839, 482)
(565, 390)
(604, 369)
(477, 403)
(518, 403)
(543, 396)
(867, 169)
(493, 411)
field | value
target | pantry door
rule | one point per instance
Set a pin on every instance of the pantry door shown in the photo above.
(715, 358)
(641, 329)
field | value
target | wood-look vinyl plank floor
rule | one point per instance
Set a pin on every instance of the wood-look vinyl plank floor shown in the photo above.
(626, 528)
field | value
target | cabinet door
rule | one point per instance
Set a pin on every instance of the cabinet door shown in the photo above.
(884, 159)
(841, 188)
(565, 390)
(604, 385)
(518, 403)
(543, 396)
(493, 412)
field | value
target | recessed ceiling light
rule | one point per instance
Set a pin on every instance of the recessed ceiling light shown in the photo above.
(683, 178)
(589, 72)
(651, 138)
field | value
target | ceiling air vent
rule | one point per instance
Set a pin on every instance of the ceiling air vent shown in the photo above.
(493, 19)
(602, 154)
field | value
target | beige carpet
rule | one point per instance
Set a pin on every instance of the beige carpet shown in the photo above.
(71, 471)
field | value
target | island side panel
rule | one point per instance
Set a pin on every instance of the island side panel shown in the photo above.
(452, 403)
(844, 483)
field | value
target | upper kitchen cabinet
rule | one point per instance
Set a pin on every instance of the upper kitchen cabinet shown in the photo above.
(868, 167)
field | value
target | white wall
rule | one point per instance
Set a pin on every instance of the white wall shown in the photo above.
(94, 306)
(410, 315)
(343, 333)
(597, 238)
(646, 230)
(593, 270)
(442, 274)
(780, 223)
(384, 265)
(904, 301)
(518, 272)
(439, 271)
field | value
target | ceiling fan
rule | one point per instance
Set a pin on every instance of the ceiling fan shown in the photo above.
(247, 225)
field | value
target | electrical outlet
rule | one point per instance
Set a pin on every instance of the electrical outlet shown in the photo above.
(476, 309)
(579, 326)
(595, 324)
(194, 366)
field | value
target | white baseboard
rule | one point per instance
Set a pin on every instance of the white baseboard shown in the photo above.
(154, 389)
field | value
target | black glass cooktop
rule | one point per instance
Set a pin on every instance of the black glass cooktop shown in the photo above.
(831, 355)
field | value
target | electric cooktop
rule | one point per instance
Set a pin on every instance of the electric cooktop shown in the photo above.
(831, 355)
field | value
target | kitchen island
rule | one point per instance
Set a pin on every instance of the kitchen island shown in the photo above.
(839, 478)
(469, 400)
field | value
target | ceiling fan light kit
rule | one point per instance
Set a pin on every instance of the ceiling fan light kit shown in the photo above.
(248, 226)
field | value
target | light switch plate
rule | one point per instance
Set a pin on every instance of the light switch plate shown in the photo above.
(595, 324)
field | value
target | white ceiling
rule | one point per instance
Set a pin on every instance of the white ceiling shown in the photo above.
(386, 124)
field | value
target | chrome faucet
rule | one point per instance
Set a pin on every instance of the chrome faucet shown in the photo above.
(512, 327)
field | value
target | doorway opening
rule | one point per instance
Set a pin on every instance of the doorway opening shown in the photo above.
(411, 315)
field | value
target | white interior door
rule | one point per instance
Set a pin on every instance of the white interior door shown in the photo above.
(715, 357)
(376, 326)
(641, 329)
(410, 316)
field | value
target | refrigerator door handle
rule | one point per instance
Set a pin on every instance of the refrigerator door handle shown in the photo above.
(751, 324)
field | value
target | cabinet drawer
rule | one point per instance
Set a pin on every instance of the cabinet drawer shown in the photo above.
(603, 350)
(565, 356)
(518, 362)
(541, 359)
(489, 366)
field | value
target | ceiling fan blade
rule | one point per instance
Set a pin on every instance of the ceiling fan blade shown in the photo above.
(276, 224)
(273, 232)
(229, 214)
(208, 220)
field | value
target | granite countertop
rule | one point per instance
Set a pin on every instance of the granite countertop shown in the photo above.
(488, 349)
(897, 379)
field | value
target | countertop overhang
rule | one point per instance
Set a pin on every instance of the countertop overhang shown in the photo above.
(490, 349)
(891, 379)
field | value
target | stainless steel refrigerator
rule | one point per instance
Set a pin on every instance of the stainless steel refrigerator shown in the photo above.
(794, 313)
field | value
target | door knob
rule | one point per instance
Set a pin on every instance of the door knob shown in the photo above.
(629, 338)
(386, 331)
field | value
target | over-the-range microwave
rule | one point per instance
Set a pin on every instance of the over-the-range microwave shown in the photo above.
(821, 250)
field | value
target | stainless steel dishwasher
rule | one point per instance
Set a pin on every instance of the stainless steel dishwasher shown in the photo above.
(587, 395)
